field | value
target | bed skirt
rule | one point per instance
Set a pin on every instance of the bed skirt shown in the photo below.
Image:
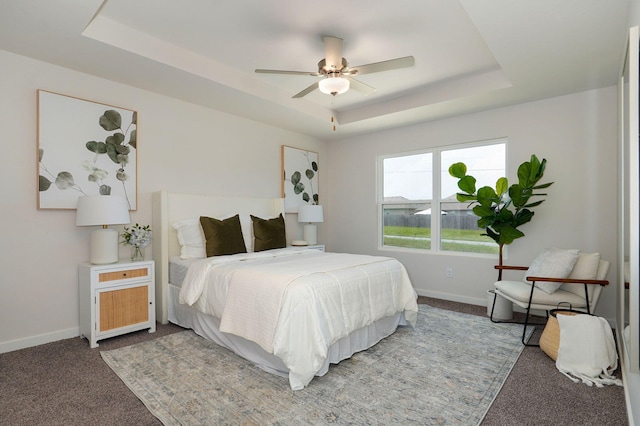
(208, 327)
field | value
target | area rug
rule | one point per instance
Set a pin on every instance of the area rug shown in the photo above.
(447, 370)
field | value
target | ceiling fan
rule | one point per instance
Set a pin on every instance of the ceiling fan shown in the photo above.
(336, 73)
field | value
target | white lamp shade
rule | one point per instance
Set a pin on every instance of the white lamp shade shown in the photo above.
(100, 210)
(310, 213)
(333, 85)
(103, 210)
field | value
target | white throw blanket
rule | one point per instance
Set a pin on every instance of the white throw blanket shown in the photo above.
(587, 351)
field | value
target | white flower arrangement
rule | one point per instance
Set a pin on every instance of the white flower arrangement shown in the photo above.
(138, 236)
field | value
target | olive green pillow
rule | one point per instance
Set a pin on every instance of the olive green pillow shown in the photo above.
(223, 236)
(268, 233)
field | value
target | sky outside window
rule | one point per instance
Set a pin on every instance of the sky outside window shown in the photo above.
(485, 163)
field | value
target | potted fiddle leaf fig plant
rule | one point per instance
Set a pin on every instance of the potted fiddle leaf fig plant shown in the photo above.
(503, 209)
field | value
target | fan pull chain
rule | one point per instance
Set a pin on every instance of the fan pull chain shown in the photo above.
(333, 120)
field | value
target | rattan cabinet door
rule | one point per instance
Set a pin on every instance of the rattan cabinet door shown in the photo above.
(120, 308)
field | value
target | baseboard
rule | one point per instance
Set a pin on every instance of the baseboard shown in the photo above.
(480, 302)
(452, 297)
(41, 339)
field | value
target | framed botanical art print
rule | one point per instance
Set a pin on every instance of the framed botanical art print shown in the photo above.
(84, 148)
(299, 178)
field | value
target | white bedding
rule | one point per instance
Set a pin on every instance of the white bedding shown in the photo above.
(318, 299)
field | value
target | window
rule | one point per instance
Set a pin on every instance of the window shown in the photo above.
(411, 192)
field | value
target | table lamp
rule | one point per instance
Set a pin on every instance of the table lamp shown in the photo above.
(310, 214)
(103, 210)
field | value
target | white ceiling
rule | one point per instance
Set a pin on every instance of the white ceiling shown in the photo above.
(469, 54)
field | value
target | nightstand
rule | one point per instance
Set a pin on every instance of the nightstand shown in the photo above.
(116, 299)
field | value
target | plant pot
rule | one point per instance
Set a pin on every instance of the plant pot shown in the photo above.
(503, 309)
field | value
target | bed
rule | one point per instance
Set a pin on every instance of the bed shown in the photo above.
(324, 308)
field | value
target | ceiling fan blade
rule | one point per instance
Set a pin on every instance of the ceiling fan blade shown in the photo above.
(391, 64)
(359, 86)
(306, 91)
(332, 53)
(313, 73)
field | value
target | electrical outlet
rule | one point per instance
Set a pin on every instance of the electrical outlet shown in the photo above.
(449, 272)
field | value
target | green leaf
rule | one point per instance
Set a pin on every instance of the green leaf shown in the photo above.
(458, 170)
(298, 188)
(134, 118)
(315, 198)
(487, 196)
(43, 183)
(306, 197)
(310, 174)
(493, 235)
(97, 147)
(295, 178)
(537, 203)
(132, 139)
(467, 184)
(502, 185)
(116, 139)
(522, 216)
(64, 180)
(463, 198)
(505, 215)
(112, 153)
(123, 149)
(524, 171)
(518, 196)
(483, 211)
(110, 120)
(508, 234)
(40, 154)
(121, 175)
(535, 168)
(542, 186)
(105, 190)
(314, 166)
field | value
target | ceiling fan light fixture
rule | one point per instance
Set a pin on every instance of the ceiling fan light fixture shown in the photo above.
(333, 85)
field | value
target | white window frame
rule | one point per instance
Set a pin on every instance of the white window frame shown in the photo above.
(436, 199)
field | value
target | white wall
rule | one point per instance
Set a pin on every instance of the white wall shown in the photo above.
(182, 148)
(577, 136)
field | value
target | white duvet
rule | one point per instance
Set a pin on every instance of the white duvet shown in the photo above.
(295, 303)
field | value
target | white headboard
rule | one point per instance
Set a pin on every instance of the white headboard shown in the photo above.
(168, 208)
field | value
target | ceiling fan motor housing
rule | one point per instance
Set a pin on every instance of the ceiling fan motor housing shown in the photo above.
(323, 69)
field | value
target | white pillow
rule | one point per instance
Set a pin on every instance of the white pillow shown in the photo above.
(191, 239)
(552, 263)
(247, 231)
(586, 267)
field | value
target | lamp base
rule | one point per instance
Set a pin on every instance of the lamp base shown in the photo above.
(311, 234)
(104, 246)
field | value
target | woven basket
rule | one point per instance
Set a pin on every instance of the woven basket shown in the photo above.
(550, 337)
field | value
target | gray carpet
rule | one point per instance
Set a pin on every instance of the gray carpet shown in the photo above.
(445, 371)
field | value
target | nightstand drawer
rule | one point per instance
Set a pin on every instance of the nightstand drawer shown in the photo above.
(123, 275)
